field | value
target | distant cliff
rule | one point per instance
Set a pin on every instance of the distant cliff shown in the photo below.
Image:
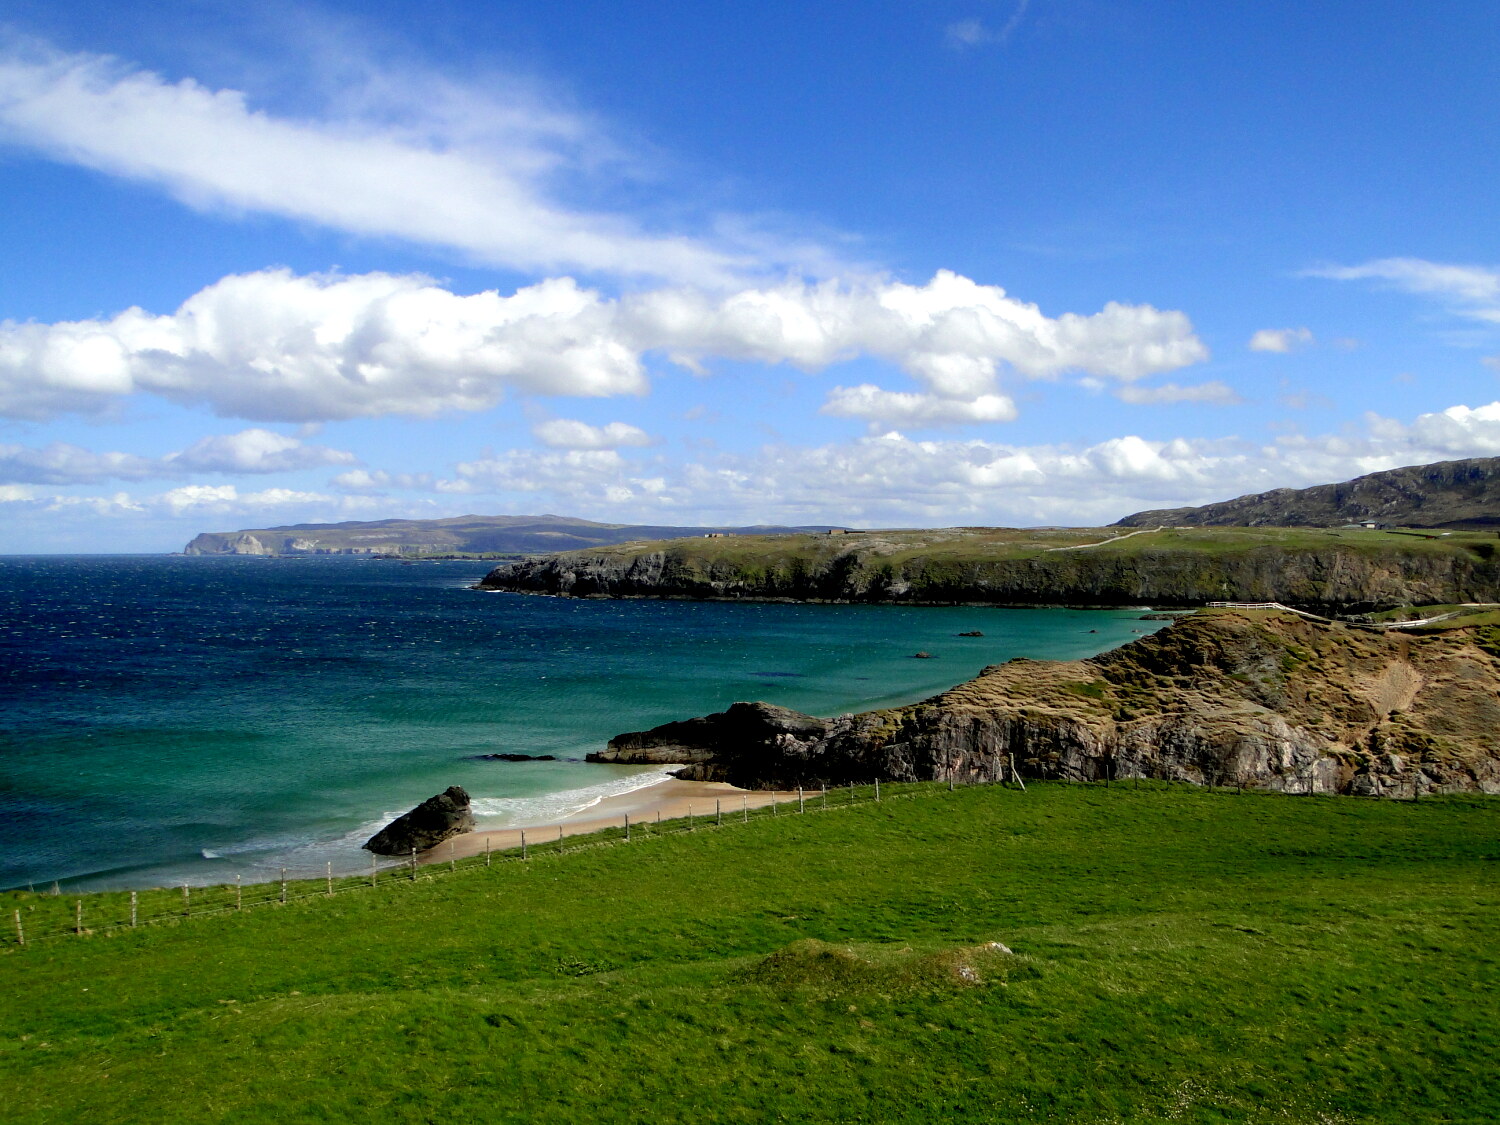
(1446, 494)
(1332, 570)
(493, 535)
(1261, 699)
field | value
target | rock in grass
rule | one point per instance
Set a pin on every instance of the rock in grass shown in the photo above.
(426, 826)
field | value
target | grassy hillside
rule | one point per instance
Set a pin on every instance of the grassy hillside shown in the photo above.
(1179, 955)
(1327, 568)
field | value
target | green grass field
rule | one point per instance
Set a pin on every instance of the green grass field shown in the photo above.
(1178, 955)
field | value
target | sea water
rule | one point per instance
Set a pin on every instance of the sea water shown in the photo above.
(170, 719)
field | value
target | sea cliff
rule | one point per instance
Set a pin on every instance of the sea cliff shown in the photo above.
(1321, 569)
(1260, 699)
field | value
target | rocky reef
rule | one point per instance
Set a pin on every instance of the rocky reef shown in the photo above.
(426, 826)
(1255, 698)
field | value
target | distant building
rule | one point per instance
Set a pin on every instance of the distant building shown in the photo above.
(714, 535)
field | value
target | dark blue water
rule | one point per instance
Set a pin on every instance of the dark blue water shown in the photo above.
(166, 719)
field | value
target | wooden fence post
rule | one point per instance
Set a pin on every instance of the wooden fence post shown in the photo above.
(718, 812)
(523, 841)
(627, 828)
(239, 899)
(745, 808)
(801, 808)
(78, 916)
(20, 932)
(1021, 781)
(452, 864)
(328, 870)
(186, 906)
(486, 851)
(283, 884)
(374, 871)
(414, 865)
(877, 788)
(690, 818)
(825, 797)
(132, 908)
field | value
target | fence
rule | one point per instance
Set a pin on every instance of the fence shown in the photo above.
(41, 916)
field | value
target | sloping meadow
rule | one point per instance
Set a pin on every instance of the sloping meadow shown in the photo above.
(1069, 953)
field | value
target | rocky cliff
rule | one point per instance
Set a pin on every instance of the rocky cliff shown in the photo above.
(1328, 571)
(1259, 698)
(1446, 494)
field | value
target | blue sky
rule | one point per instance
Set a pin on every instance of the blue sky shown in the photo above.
(912, 262)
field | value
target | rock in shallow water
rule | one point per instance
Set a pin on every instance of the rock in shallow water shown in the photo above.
(426, 826)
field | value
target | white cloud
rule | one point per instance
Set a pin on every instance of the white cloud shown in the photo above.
(1473, 291)
(274, 346)
(1281, 340)
(902, 408)
(249, 451)
(1212, 393)
(565, 433)
(378, 480)
(438, 165)
(892, 479)
(256, 451)
(974, 33)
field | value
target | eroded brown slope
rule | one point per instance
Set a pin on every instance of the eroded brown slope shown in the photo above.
(1255, 698)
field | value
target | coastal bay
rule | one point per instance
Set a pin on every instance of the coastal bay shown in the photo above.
(173, 720)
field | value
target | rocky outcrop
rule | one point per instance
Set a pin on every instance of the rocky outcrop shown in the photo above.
(1259, 699)
(1446, 494)
(920, 568)
(426, 826)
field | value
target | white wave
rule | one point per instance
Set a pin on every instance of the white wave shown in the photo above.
(550, 808)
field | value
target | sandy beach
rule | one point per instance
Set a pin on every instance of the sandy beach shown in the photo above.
(667, 800)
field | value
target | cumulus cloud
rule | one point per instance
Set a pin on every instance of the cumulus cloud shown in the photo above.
(889, 479)
(274, 346)
(565, 433)
(249, 451)
(1281, 340)
(892, 479)
(1212, 393)
(442, 166)
(903, 408)
(1472, 291)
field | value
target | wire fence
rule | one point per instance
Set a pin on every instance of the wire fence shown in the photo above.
(40, 916)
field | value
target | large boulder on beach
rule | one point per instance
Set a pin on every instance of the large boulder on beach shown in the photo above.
(426, 826)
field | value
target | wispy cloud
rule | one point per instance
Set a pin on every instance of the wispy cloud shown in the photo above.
(1471, 291)
(420, 160)
(975, 33)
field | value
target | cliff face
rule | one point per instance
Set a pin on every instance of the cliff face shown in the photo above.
(1446, 494)
(1330, 577)
(1260, 699)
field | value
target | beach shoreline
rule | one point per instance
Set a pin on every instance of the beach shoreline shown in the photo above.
(668, 799)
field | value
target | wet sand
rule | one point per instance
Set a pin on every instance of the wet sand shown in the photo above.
(667, 800)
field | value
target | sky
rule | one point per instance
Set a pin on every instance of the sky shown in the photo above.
(895, 263)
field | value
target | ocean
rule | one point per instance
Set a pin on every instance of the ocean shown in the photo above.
(168, 719)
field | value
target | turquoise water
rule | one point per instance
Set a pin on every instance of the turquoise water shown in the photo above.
(167, 719)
